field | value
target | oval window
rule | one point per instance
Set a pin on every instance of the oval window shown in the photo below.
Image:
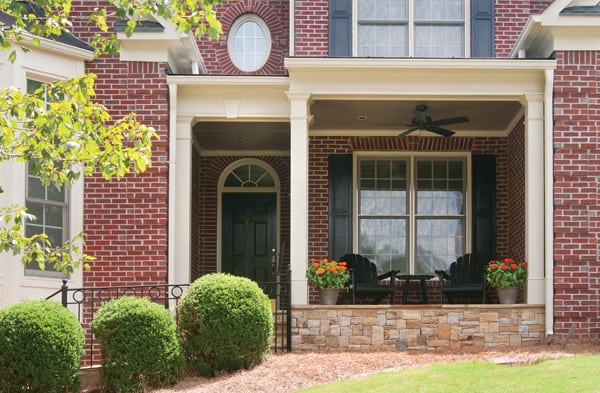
(249, 43)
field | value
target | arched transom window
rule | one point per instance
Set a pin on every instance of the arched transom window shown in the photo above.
(249, 175)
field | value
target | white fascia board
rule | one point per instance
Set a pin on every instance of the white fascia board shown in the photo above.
(56, 47)
(406, 78)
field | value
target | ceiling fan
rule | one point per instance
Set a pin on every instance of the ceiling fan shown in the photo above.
(422, 121)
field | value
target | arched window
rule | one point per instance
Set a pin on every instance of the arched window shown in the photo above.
(249, 175)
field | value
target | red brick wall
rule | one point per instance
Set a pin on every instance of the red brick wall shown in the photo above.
(576, 204)
(311, 24)
(206, 172)
(510, 17)
(516, 194)
(321, 147)
(275, 13)
(126, 221)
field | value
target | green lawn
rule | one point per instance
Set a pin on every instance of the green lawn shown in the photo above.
(577, 375)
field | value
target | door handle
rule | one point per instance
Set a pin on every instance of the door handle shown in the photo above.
(274, 260)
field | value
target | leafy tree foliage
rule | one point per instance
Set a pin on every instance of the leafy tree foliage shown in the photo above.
(58, 130)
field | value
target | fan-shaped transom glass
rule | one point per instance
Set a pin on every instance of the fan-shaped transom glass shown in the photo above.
(249, 175)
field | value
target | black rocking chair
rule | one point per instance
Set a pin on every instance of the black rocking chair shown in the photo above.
(365, 281)
(466, 280)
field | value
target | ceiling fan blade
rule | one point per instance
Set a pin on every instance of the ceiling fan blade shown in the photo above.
(452, 120)
(439, 130)
(406, 132)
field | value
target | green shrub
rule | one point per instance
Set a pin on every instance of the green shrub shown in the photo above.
(41, 344)
(225, 323)
(139, 345)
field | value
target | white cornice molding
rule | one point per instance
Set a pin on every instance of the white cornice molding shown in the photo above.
(339, 64)
(220, 80)
(550, 31)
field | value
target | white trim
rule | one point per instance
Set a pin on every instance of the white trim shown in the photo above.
(242, 190)
(549, 202)
(258, 153)
(56, 47)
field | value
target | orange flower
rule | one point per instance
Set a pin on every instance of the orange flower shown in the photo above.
(493, 266)
(514, 266)
(320, 270)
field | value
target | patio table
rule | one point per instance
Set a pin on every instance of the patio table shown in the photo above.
(424, 292)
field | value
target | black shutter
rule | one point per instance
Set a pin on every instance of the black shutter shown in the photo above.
(484, 206)
(482, 28)
(340, 205)
(340, 28)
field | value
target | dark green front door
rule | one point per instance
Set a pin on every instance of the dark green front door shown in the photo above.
(249, 235)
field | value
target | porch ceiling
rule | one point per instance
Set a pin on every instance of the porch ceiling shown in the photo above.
(359, 117)
(390, 117)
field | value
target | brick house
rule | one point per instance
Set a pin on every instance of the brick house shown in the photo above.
(286, 132)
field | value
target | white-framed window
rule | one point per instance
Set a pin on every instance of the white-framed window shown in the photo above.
(50, 205)
(412, 211)
(410, 28)
(249, 42)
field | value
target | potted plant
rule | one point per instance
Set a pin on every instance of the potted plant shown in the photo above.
(328, 277)
(506, 276)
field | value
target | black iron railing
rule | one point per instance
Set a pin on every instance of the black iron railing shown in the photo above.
(85, 302)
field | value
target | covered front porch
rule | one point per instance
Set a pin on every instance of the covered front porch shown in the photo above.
(291, 127)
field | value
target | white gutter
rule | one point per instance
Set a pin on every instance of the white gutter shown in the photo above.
(172, 201)
(549, 200)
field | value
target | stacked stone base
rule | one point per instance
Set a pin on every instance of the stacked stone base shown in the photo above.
(411, 327)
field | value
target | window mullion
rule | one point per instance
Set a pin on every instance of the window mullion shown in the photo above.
(411, 29)
(412, 238)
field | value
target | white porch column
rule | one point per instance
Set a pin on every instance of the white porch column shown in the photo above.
(534, 197)
(180, 186)
(299, 195)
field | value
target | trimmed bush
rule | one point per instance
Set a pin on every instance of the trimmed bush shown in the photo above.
(41, 344)
(225, 323)
(139, 345)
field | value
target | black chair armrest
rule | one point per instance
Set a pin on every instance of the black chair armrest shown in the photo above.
(391, 274)
(442, 275)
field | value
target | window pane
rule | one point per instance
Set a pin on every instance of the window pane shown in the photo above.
(439, 242)
(383, 190)
(436, 193)
(382, 40)
(55, 194)
(35, 189)
(438, 10)
(383, 241)
(53, 216)
(434, 40)
(382, 9)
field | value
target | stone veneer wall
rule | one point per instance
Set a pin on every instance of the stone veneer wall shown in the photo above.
(387, 327)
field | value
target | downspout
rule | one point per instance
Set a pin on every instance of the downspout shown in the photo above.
(172, 166)
(549, 199)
